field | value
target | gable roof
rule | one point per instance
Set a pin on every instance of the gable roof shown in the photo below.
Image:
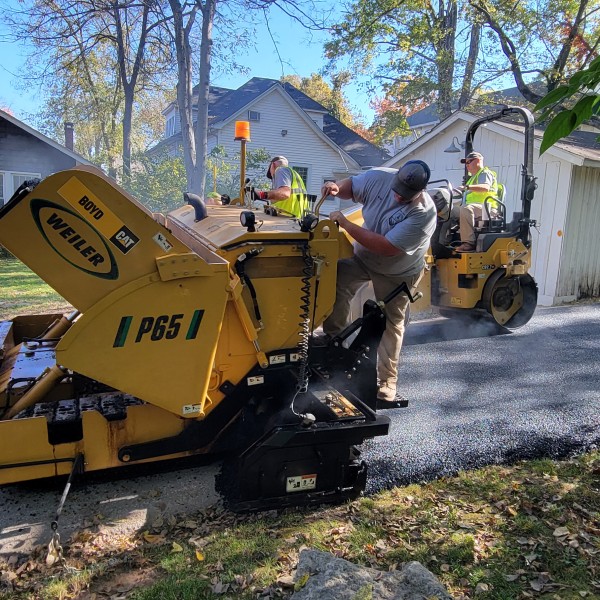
(492, 100)
(225, 104)
(580, 148)
(45, 139)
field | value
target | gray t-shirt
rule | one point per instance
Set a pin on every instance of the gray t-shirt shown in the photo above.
(282, 177)
(408, 227)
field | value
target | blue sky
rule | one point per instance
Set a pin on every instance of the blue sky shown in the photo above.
(301, 54)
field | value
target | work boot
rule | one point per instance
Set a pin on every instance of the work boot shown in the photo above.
(388, 396)
(387, 391)
(466, 247)
(321, 338)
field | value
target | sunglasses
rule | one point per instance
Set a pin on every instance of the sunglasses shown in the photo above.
(470, 160)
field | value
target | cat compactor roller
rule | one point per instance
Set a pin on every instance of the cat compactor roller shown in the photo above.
(493, 280)
(190, 335)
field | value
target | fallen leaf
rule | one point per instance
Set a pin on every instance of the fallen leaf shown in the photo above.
(302, 581)
(176, 547)
(481, 588)
(152, 538)
(286, 581)
(536, 585)
(560, 532)
(530, 558)
(158, 522)
(219, 587)
(199, 556)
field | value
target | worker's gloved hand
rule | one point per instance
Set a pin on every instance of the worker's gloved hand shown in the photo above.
(258, 195)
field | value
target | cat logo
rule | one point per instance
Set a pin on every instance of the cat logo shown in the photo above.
(124, 240)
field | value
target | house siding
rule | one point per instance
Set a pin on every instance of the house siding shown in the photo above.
(21, 152)
(580, 265)
(301, 145)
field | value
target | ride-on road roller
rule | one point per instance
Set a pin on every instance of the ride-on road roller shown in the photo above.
(494, 280)
(492, 283)
(191, 334)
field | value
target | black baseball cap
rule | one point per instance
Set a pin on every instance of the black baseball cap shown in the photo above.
(411, 179)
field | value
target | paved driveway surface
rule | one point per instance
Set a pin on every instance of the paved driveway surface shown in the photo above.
(480, 396)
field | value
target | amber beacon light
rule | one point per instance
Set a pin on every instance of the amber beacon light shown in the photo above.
(242, 130)
(242, 133)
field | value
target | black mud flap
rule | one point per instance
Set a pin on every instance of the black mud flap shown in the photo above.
(294, 465)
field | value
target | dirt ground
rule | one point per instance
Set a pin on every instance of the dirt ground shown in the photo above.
(116, 508)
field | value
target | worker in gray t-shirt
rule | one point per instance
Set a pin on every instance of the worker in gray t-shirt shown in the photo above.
(399, 220)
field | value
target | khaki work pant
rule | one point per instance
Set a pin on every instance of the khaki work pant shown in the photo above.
(351, 275)
(468, 215)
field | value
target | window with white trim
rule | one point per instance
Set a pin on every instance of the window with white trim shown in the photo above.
(303, 172)
(10, 182)
(254, 115)
(170, 126)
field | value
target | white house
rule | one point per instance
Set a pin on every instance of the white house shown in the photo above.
(283, 121)
(566, 206)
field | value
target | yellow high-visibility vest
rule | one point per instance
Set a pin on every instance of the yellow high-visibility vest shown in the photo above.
(479, 197)
(297, 203)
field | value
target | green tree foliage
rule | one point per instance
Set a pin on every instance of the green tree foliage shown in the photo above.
(86, 92)
(582, 93)
(227, 171)
(408, 46)
(157, 181)
(330, 96)
(544, 41)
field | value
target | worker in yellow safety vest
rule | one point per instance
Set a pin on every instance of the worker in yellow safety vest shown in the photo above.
(288, 192)
(481, 184)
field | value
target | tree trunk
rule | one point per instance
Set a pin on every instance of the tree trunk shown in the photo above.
(127, 119)
(446, 24)
(201, 132)
(184, 86)
(466, 92)
(129, 80)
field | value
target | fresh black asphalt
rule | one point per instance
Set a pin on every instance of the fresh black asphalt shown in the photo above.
(480, 395)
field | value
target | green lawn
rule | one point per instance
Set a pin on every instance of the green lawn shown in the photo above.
(23, 292)
(498, 533)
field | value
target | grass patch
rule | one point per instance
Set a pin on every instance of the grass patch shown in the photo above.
(499, 533)
(23, 292)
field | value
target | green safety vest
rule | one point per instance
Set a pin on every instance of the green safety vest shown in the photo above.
(297, 203)
(479, 197)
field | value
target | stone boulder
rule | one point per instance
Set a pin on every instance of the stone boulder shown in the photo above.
(332, 578)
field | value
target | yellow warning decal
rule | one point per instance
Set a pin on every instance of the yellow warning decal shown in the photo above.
(86, 203)
(90, 206)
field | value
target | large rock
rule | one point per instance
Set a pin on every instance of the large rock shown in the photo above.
(332, 578)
